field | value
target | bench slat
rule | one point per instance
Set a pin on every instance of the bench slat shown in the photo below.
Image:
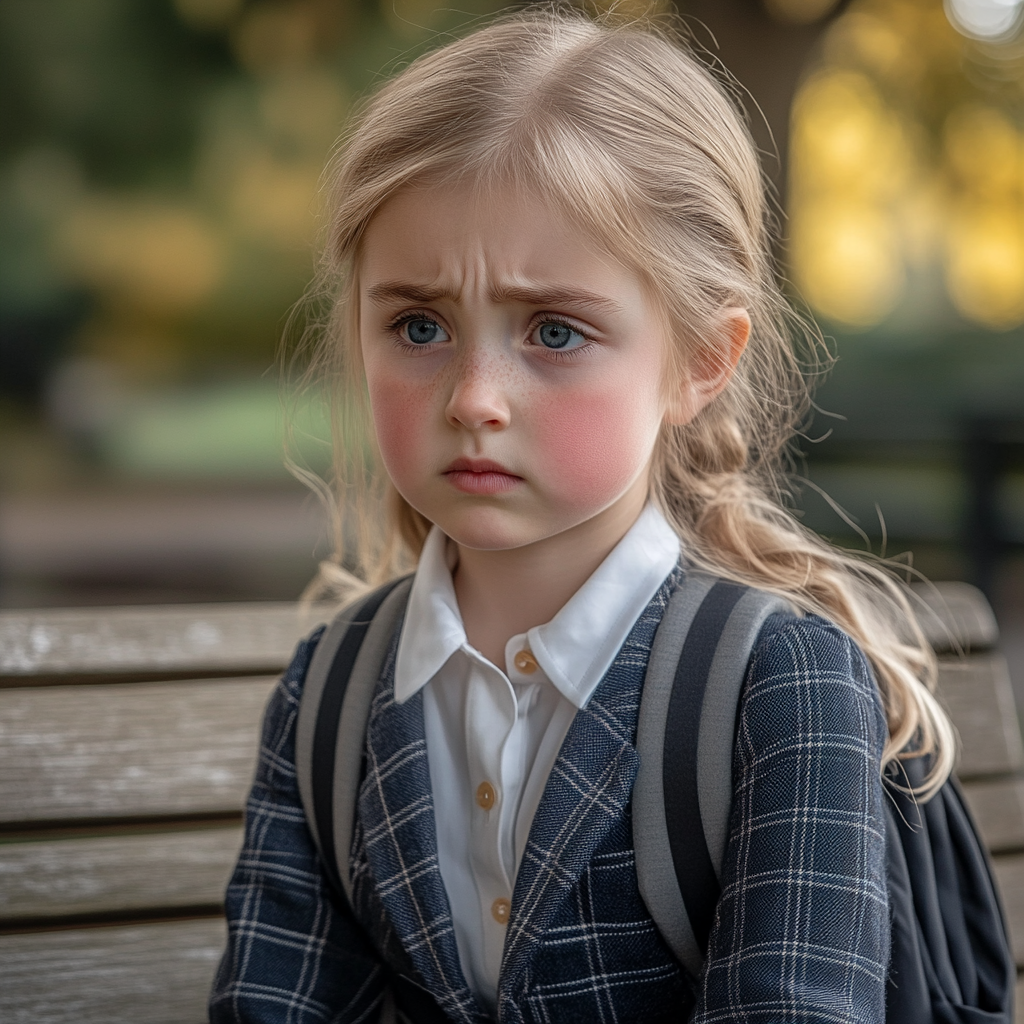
(260, 636)
(72, 752)
(955, 614)
(143, 974)
(175, 638)
(121, 873)
(979, 697)
(998, 809)
(133, 749)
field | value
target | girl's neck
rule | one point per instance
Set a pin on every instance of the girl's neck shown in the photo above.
(504, 593)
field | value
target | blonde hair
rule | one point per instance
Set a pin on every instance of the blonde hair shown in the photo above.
(624, 130)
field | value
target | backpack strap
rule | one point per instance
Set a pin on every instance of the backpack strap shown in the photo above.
(335, 707)
(685, 736)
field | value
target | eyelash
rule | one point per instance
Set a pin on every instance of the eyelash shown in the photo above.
(556, 355)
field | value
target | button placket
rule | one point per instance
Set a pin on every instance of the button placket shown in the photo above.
(528, 679)
(491, 715)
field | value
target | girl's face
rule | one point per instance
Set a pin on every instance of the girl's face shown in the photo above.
(515, 374)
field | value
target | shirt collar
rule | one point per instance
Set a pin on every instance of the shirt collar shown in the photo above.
(576, 647)
(432, 631)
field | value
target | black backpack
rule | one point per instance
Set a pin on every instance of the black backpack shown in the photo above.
(950, 961)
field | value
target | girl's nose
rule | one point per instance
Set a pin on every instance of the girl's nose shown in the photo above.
(477, 401)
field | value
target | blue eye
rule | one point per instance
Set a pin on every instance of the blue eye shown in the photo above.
(559, 336)
(421, 331)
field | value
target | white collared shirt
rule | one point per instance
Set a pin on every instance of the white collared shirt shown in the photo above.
(493, 736)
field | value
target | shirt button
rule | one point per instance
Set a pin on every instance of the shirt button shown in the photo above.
(500, 909)
(485, 795)
(525, 662)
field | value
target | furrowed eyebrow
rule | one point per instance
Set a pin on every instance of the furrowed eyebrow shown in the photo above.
(557, 297)
(397, 291)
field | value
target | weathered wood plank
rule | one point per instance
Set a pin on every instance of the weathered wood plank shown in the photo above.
(174, 638)
(76, 752)
(145, 974)
(998, 809)
(120, 873)
(261, 636)
(979, 698)
(955, 616)
(1009, 872)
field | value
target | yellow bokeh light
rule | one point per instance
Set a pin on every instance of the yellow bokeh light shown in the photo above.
(276, 36)
(844, 138)
(862, 38)
(273, 201)
(985, 263)
(846, 258)
(884, 176)
(984, 150)
(143, 254)
(849, 160)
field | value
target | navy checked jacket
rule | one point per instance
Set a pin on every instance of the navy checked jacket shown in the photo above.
(801, 932)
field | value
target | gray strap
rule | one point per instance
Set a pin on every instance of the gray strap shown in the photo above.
(659, 886)
(718, 716)
(309, 707)
(654, 867)
(355, 713)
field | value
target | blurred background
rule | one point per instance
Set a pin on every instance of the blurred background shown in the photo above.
(159, 166)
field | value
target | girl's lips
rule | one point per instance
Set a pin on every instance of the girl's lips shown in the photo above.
(480, 476)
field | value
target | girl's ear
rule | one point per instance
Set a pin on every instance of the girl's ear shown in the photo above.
(710, 368)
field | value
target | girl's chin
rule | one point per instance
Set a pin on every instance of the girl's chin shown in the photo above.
(504, 526)
(493, 530)
(489, 540)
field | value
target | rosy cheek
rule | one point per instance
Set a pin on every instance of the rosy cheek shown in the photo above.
(399, 412)
(593, 444)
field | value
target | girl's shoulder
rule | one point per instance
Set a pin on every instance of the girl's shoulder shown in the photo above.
(807, 675)
(811, 641)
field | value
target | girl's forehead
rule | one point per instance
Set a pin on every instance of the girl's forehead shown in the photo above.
(463, 233)
(463, 209)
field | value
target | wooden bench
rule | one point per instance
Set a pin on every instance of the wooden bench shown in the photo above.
(128, 739)
(127, 744)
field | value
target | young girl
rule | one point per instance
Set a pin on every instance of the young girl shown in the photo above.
(553, 290)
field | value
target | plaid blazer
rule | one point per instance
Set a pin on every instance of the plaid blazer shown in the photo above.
(801, 932)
